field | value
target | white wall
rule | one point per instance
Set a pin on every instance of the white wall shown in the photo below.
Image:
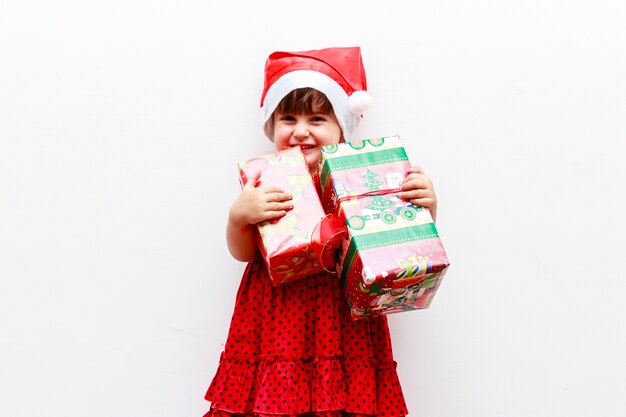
(120, 126)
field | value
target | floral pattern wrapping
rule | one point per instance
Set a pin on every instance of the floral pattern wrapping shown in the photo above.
(285, 243)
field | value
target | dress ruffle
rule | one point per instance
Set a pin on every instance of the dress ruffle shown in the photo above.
(213, 412)
(331, 366)
(324, 385)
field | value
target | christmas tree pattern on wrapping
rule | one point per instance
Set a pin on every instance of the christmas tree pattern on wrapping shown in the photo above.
(378, 202)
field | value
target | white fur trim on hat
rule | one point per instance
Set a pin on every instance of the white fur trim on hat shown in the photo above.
(348, 120)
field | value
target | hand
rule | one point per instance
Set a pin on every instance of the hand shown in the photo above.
(256, 204)
(418, 189)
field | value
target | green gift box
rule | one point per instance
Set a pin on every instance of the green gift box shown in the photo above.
(392, 259)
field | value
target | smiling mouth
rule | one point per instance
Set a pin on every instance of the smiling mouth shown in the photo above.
(303, 147)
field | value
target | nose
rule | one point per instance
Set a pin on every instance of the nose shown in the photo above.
(301, 129)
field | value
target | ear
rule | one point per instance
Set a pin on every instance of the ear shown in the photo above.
(268, 128)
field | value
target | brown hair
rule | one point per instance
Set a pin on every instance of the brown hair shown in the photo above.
(305, 100)
(299, 101)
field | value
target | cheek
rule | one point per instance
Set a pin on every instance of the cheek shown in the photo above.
(331, 140)
(280, 137)
(334, 136)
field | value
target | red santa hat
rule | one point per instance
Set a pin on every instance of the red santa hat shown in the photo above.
(336, 72)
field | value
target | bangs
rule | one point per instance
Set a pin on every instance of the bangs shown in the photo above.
(304, 100)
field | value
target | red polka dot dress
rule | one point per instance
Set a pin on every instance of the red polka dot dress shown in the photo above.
(294, 350)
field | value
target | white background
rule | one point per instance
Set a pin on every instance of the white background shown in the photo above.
(121, 123)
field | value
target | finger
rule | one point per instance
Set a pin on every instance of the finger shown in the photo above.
(415, 176)
(272, 189)
(423, 202)
(278, 196)
(416, 169)
(279, 206)
(413, 194)
(274, 214)
(414, 183)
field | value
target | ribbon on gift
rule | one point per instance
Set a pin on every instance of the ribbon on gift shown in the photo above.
(327, 235)
(331, 230)
(373, 193)
(318, 184)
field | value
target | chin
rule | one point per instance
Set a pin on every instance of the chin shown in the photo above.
(312, 164)
(311, 159)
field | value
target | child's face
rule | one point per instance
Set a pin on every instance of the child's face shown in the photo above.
(310, 131)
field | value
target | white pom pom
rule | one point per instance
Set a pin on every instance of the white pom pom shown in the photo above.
(359, 102)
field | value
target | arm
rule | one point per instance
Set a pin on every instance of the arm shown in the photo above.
(253, 205)
(418, 189)
(241, 241)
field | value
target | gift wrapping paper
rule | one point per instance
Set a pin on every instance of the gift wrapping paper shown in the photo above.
(392, 260)
(285, 243)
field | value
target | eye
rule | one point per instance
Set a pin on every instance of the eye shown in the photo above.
(286, 118)
(318, 118)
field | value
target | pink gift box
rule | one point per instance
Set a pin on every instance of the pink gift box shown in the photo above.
(285, 243)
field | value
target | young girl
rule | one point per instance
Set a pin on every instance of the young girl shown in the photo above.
(294, 349)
